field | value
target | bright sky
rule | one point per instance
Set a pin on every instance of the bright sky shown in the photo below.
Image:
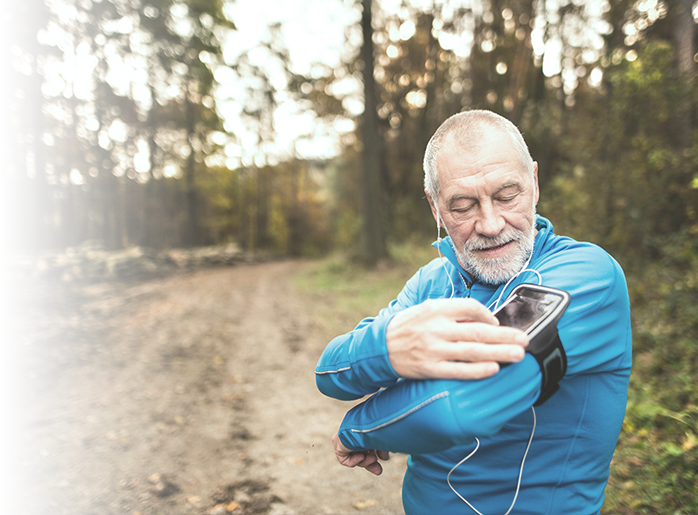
(313, 29)
(314, 32)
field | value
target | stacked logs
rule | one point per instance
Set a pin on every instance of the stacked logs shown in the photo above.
(90, 259)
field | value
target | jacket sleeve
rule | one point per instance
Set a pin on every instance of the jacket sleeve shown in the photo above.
(425, 416)
(356, 364)
(595, 329)
(429, 416)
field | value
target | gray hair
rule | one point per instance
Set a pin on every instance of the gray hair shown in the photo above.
(467, 129)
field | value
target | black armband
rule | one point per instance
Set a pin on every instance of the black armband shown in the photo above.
(547, 348)
(536, 310)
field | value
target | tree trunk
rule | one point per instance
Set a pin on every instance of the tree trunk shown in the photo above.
(294, 216)
(522, 64)
(684, 33)
(374, 231)
(191, 233)
(684, 30)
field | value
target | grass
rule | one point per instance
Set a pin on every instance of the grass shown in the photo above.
(343, 292)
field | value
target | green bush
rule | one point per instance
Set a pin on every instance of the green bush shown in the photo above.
(655, 468)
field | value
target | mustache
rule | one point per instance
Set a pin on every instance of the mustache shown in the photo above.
(483, 242)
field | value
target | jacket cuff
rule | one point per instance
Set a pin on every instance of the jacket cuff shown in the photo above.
(372, 360)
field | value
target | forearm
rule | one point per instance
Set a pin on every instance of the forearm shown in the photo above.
(426, 416)
(356, 364)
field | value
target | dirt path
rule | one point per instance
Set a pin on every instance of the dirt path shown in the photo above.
(192, 394)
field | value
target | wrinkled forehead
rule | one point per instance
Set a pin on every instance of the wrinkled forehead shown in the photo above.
(484, 142)
(476, 137)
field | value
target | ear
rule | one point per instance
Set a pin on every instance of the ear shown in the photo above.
(535, 183)
(434, 212)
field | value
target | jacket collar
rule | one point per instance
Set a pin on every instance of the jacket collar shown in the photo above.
(445, 245)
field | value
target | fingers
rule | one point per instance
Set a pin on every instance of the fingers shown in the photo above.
(463, 370)
(469, 361)
(481, 332)
(372, 464)
(461, 310)
(375, 468)
(475, 351)
(432, 314)
(364, 459)
(355, 459)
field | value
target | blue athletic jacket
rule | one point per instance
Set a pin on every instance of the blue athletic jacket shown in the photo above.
(437, 421)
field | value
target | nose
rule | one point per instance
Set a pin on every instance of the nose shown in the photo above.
(489, 222)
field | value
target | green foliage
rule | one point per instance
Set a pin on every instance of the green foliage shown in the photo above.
(277, 209)
(655, 469)
(619, 178)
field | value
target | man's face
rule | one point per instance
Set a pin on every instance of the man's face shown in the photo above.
(487, 202)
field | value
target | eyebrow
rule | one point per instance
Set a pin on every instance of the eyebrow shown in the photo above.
(508, 185)
(457, 197)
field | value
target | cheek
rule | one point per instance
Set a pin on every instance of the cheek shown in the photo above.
(523, 217)
(460, 232)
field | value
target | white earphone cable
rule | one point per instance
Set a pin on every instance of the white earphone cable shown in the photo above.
(438, 248)
(518, 483)
(524, 269)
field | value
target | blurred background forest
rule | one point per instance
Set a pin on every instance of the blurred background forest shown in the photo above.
(160, 124)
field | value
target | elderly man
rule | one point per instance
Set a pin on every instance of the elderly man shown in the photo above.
(481, 436)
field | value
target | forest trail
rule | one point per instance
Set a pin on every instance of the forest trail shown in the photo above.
(191, 394)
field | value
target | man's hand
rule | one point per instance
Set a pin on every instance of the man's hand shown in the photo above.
(451, 339)
(364, 459)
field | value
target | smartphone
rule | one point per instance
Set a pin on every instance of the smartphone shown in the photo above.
(535, 310)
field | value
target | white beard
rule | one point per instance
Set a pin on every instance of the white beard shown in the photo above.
(497, 270)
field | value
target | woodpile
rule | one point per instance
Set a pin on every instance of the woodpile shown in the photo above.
(91, 260)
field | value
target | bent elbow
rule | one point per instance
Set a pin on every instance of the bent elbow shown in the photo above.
(328, 386)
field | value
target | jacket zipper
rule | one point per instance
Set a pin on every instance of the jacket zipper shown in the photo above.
(468, 285)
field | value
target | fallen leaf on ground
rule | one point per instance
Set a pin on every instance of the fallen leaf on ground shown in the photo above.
(194, 500)
(218, 509)
(362, 505)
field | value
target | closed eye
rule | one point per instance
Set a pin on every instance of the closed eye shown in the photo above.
(508, 193)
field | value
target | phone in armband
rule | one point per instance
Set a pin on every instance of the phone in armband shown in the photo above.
(536, 310)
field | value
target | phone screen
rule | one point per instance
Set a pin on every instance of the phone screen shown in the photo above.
(526, 308)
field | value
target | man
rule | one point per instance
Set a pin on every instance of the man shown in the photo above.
(431, 359)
